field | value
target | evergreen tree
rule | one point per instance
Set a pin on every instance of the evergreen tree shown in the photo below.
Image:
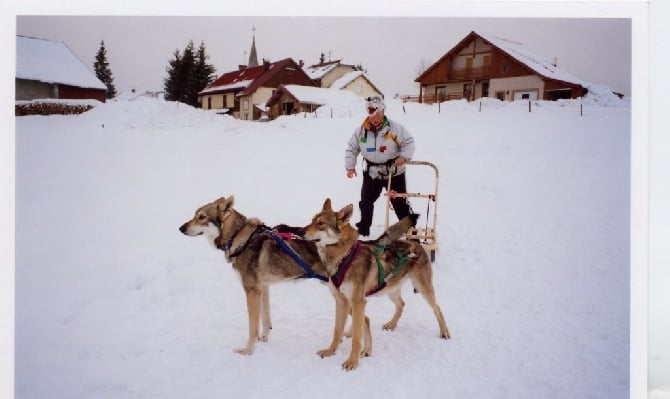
(188, 74)
(102, 71)
(204, 72)
(173, 83)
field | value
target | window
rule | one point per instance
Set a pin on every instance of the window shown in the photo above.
(245, 105)
(530, 94)
(485, 89)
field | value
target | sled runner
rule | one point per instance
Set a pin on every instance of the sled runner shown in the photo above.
(424, 234)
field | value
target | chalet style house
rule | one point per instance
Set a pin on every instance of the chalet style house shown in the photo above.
(243, 93)
(47, 69)
(335, 74)
(488, 66)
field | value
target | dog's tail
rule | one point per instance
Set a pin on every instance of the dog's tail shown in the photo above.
(396, 231)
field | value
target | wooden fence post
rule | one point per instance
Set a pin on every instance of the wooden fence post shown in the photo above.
(528, 105)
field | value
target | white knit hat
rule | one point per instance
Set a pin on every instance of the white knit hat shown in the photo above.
(374, 104)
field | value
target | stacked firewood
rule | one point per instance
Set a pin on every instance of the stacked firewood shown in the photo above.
(49, 108)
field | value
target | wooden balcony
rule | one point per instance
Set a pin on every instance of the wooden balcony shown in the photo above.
(482, 72)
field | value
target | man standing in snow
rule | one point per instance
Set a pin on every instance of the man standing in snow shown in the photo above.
(385, 146)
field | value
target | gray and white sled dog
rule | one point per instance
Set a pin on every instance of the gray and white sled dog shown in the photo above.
(259, 256)
(362, 269)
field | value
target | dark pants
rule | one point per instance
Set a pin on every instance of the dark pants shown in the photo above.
(370, 191)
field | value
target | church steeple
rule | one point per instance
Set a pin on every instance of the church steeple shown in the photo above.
(253, 57)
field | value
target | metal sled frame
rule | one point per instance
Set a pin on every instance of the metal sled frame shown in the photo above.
(426, 234)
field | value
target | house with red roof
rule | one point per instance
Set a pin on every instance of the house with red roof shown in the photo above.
(244, 93)
(489, 66)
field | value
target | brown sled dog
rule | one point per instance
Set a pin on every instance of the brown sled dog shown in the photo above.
(258, 258)
(360, 268)
(256, 255)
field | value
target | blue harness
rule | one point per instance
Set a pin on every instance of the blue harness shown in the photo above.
(309, 273)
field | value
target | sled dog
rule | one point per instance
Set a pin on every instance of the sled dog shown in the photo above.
(257, 255)
(361, 269)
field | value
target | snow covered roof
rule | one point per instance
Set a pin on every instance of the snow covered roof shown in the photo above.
(240, 84)
(350, 77)
(537, 63)
(346, 79)
(51, 61)
(318, 71)
(246, 81)
(321, 96)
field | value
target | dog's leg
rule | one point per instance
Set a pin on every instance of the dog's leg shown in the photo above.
(357, 322)
(265, 314)
(253, 309)
(348, 333)
(425, 286)
(367, 339)
(341, 310)
(396, 298)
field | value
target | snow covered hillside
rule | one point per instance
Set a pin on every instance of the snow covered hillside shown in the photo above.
(532, 271)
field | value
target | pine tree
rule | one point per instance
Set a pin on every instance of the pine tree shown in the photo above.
(102, 71)
(204, 72)
(188, 74)
(173, 83)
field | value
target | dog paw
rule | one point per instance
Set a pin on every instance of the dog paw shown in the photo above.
(389, 326)
(445, 335)
(264, 337)
(326, 353)
(366, 353)
(350, 364)
(244, 351)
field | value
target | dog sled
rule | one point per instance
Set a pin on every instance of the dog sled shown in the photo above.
(424, 234)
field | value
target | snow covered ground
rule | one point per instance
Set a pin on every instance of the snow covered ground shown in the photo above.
(532, 271)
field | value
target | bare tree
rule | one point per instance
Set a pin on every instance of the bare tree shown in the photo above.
(424, 64)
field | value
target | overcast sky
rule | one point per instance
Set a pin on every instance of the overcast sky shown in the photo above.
(391, 48)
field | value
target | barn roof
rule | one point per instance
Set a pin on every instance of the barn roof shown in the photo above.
(52, 61)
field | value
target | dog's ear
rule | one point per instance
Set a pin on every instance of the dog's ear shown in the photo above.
(345, 213)
(326, 206)
(221, 208)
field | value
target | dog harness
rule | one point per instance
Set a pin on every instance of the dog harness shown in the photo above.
(343, 267)
(309, 272)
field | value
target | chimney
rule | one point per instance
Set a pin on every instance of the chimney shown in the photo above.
(301, 63)
(555, 61)
(266, 64)
(241, 67)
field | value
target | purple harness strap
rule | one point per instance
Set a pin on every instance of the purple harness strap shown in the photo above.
(344, 266)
